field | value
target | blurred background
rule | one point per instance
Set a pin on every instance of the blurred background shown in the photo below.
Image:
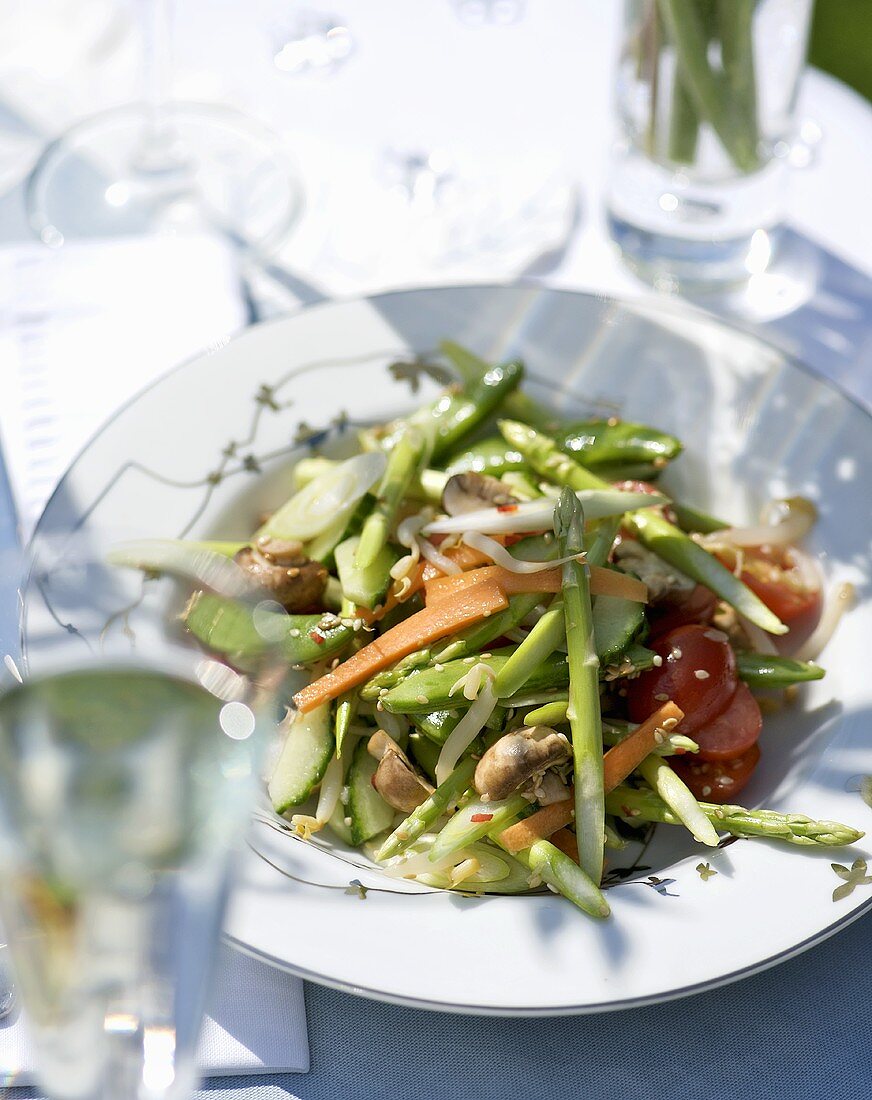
(841, 34)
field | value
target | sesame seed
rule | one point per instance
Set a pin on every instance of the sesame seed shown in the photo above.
(379, 706)
(658, 737)
(706, 791)
(439, 667)
(657, 660)
(469, 660)
(661, 697)
(347, 821)
(700, 674)
(676, 654)
(670, 723)
(635, 813)
(422, 699)
(727, 781)
(294, 632)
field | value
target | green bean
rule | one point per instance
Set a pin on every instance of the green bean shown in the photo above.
(673, 546)
(469, 366)
(762, 670)
(617, 442)
(428, 813)
(488, 456)
(425, 753)
(228, 627)
(475, 638)
(429, 689)
(453, 415)
(438, 724)
(584, 704)
(373, 687)
(546, 459)
(694, 520)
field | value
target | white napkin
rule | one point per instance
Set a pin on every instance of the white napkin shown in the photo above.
(81, 331)
(257, 1024)
(85, 328)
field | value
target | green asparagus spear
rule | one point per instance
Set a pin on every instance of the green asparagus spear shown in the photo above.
(679, 798)
(428, 813)
(545, 637)
(761, 670)
(584, 705)
(406, 458)
(556, 869)
(673, 546)
(645, 805)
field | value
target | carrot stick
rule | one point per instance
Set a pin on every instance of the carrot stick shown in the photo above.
(627, 755)
(513, 584)
(431, 624)
(467, 557)
(538, 826)
(567, 843)
(610, 582)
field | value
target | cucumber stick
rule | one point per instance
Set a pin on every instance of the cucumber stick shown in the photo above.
(616, 622)
(369, 813)
(364, 587)
(305, 754)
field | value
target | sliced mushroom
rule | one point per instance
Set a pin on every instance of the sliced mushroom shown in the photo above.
(517, 757)
(471, 491)
(395, 779)
(282, 568)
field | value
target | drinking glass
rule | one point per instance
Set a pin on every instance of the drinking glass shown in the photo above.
(164, 165)
(128, 764)
(706, 105)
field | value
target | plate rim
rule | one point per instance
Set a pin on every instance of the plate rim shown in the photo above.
(674, 307)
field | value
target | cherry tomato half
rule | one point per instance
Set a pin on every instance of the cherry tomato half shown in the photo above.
(780, 585)
(716, 780)
(698, 674)
(696, 606)
(732, 732)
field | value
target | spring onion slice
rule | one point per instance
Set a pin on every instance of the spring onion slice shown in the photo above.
(316, 506)
(538, 515)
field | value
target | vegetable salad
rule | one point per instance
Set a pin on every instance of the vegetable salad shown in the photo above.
(516, 647)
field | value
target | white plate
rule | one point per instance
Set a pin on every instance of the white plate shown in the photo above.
(209, 445)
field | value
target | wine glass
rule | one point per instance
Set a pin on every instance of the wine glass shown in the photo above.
(164, 165)
(128, 764)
